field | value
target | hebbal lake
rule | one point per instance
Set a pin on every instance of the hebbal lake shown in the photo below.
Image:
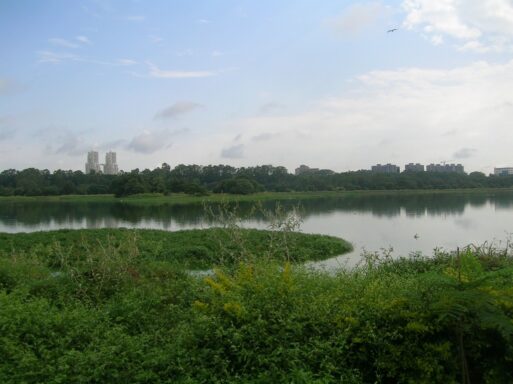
(404, 222)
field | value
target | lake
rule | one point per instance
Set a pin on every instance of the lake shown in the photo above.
(416, 222)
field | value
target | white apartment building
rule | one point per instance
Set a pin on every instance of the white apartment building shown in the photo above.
(110, 167)
(503, 171)
(93, 163)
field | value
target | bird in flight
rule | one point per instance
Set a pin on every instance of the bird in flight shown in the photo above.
(392, 30)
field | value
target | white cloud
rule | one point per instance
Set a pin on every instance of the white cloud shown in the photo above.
(126, 62)
(62, 141)
(185, 52)
(177, 109)
(60, 57)
(62, 42)
(401, 116)
(437, 40)
(476, 25)
(233, 152)
(149, 142)
(474, 46)
(442, 16)
(83, 40)
(271, 107)
(265, 136)
(464, 153)
(155, 39)
(134, 18)
(358, 17)
(109, 145)
(154, 71)
(71, 144)
(56, 57)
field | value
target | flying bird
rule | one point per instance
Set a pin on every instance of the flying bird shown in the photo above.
(392, 30)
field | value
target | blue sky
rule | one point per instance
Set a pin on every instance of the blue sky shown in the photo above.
(256, 82)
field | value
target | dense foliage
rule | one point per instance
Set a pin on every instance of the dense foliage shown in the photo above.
(200, 180)
(196, 248)
(114, 316)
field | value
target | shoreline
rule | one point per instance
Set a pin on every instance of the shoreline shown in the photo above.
(184, 199)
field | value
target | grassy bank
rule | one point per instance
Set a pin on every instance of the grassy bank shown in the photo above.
(196, 249)
(180, 198)
(112, 319)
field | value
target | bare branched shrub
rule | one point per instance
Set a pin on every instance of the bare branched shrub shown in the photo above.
(234, 239)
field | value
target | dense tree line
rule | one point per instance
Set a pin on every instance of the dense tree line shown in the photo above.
(200, 180)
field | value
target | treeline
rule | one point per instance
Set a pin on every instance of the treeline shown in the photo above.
(201, 180)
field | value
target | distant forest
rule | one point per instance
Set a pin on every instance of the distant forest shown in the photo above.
(202, 180)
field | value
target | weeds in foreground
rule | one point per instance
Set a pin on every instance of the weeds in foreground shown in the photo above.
(444, 319)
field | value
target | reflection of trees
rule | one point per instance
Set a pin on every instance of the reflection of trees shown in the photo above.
(192, 214)
(33, 213)
(434, 204)
(502, 201)
(391, 205)
(477, 201)
(96, 215)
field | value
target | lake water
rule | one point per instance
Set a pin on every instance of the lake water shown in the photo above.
(405, 222)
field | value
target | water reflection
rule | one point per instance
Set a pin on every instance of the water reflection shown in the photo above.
(16, 217)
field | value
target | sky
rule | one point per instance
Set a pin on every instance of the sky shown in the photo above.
(249, 83)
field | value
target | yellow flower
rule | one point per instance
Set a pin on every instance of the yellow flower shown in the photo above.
(215, 285)
(232, 308)
(200, 305)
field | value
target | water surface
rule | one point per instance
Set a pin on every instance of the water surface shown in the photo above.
(404, 222)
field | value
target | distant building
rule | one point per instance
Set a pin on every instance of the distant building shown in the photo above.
(385, 168)
(110, 167)
(93, 163)
(302, 169)
(503, 171)
(447, 168)
(414, 167)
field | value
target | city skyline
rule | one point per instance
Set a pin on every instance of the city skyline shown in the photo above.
(256, 83)
(110, 167)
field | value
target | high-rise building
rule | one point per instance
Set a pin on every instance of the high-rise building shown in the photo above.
(452, 168)
(92, 165)
(503, 171)
(110, 167)
(414, 167)
(385, 168)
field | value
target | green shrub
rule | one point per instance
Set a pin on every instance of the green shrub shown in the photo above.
(109, 313)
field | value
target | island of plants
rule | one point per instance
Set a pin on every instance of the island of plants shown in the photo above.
(194, 249)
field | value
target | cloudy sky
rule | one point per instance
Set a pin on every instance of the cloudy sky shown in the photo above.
(246, 82)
